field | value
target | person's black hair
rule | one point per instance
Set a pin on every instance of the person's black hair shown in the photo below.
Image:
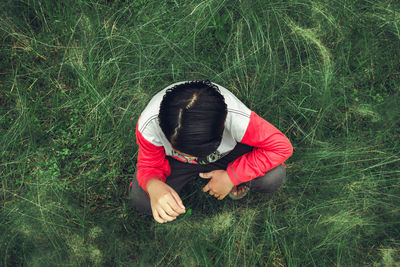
(192, 117)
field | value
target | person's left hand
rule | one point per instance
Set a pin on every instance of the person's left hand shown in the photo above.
(219, 185)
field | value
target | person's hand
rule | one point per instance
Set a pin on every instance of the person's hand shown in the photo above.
(219, 185)
(166, 204)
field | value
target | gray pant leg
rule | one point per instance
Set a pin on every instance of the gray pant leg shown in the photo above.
(139, 198)
(270, 182)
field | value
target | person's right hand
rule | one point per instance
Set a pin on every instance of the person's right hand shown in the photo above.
(166, 204)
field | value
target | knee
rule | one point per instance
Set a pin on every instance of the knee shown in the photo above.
(272, 180)
(140, 200)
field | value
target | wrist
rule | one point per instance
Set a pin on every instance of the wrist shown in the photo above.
(150, 183)
(229, 179)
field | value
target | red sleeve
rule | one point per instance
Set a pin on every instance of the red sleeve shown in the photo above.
(271, 148)
(151, 161)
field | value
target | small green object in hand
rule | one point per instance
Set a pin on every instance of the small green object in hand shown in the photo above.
(188, 212)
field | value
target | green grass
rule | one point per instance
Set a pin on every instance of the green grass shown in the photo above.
(75, 75)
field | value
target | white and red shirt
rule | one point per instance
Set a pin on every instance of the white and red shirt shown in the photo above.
(271, 147)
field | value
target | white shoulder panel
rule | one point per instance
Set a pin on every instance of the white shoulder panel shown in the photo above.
(238, 117)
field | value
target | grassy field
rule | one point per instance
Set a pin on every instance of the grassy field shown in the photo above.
(75, 75)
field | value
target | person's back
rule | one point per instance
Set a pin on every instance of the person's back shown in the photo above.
(192, 128)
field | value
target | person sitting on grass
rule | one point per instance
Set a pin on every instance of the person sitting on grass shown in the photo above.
(199, 128)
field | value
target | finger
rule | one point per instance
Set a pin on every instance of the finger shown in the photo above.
(164, 215)
(168, 209)
(178, 200)
(178, 210)
(175, 207)
(206, 188)
(157, 217)
(221, 197)
(205, 175)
